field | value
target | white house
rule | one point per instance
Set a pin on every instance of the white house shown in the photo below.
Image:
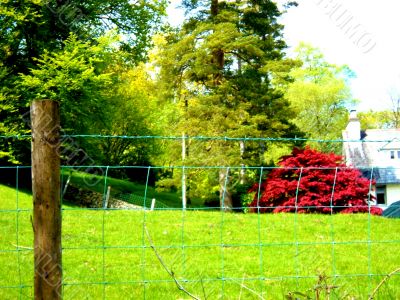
(376, 152)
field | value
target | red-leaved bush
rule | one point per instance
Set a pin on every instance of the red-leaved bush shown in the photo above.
(311, 181)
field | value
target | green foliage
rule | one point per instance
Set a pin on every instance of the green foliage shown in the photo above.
(133, 110)
(218, 70)
(62, 75)
(32, 26)
(37, 46)
(10, 149)
(246, 199)
(98, 94)
(74, 77)
(233, 97)
(320, 96)
(376, 119)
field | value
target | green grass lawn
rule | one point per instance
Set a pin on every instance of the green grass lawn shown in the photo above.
(214, 255)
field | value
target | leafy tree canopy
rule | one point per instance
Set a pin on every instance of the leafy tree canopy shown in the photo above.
(98, 95)
(384, 119)
(28, 27)
(320, 96)
(59, 50)
(76, 76)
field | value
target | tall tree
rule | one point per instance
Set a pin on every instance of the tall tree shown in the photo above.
(320, 96)
(219, 67)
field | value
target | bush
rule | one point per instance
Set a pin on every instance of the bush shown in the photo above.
(311, 181)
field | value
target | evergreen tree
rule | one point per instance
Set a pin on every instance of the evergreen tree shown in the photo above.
(219, 68)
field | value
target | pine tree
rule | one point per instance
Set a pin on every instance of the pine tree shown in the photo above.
(219, 68)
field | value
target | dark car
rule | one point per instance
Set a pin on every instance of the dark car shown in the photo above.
(393, 211)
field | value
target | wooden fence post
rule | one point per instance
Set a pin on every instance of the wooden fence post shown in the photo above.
(45, 120)
(105, 204)
(184, 188)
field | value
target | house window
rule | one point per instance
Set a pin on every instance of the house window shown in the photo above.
(394, 154)
(380, 195)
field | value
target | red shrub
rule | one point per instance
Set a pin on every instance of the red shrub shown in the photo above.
(310, 181)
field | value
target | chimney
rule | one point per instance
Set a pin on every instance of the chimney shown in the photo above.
(353, 128)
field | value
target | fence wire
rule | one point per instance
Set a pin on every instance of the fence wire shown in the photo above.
(146, 243)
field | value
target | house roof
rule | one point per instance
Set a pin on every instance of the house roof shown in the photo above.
(391, 145)
(387, 175)
(372, 153)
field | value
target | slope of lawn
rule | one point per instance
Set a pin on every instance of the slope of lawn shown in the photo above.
(118, 186)
(107, 254)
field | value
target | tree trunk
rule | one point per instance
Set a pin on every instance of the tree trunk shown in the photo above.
(225, 195)
(184, 189)
(218, 59)
(218, 56)
(214, 8)
(242, 174)
(46, 199)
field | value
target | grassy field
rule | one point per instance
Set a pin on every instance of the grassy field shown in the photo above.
(214, 255)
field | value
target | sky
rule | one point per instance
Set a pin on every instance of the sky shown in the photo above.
(359, 33)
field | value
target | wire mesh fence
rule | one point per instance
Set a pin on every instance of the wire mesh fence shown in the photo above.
(136, 247)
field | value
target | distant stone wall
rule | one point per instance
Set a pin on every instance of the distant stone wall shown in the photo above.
(91, 199)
